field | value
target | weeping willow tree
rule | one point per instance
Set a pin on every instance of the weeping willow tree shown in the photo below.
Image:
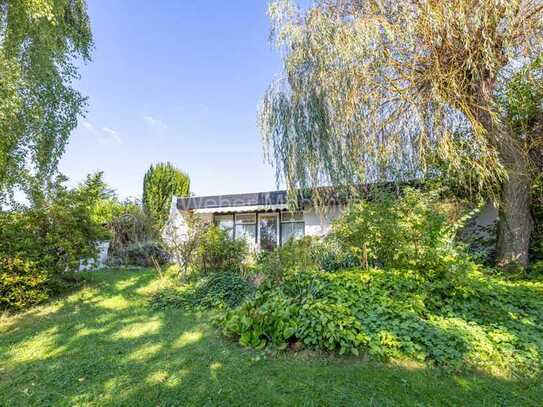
(381, 89)
(41, 42)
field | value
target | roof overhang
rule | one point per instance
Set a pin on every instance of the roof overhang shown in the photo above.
(246, 208)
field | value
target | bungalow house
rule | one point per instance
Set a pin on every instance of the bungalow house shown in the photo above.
(263, 218)
(266, 220)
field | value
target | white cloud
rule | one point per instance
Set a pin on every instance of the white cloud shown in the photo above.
(104, 135)
(89, 126)
(155, 122)
(113, 134)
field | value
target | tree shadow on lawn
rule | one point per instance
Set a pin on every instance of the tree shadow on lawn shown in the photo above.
(104, 346)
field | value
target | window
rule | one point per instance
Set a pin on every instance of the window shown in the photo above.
(292, 226)
(226, 223)
(246, 227)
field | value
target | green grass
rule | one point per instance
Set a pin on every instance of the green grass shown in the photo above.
(104, 346)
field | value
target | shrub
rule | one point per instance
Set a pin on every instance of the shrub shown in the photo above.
(465, 320)
(296, 253)
(406, 232)
(49, 240)
(216, 251)
(329, 254)
(216, 290)
(183, 239)
(22, 284)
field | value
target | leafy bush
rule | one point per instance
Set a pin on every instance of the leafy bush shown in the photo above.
(464, 320)
(296, 253)
(204, 247)
(216, 251)
(216, 290)
(22, 284)
(49, 240)
(182, 238)
(406, 232)
(329, 254)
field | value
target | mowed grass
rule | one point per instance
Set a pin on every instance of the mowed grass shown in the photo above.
(103, 345)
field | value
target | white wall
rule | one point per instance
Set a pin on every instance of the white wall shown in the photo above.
(317, 224)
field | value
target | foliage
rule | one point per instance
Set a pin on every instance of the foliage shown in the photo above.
(408, 232)
(537, 210)
(50, 240)
(22, 284)
(160, 184)
(218, 252)
(40, 45)
(108, 209)
(296, 253)
(57, 234)
(183, 240)
(464, 319)
(131, 229)
(359, 99)
(331, 255)
(146, 254)
(379, 92)
(215, 290)
(203, 247)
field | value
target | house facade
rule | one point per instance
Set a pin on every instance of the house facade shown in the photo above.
(266, 221)
(262, 218)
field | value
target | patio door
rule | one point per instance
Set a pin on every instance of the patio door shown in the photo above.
(268, 231)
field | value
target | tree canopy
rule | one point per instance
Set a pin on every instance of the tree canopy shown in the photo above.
(40, 44)
(381, 89)
(160, 184)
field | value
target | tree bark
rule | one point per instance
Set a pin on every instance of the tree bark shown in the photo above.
(515, 224)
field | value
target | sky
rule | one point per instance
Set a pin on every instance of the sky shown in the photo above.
(178, 81)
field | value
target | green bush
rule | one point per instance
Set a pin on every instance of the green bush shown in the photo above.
(58, 233)
(329, 254)
(405, 232)
(49, 240)
(216, 251)
(464, 320)
(216, 290)
(296, 253)
(22, 284)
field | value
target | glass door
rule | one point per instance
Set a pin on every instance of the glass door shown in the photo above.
(268, 231)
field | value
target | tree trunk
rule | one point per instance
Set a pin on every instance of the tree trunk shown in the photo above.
(515, 223)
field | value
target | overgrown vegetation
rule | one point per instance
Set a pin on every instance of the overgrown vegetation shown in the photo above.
(413, 293)
(211, 267)
(41, 246)
(465, 320)
(134, 239)
(203, 247)
(215, 290)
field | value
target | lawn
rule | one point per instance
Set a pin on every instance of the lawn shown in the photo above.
(103, 345)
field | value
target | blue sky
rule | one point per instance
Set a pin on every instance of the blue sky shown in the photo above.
(176, 81)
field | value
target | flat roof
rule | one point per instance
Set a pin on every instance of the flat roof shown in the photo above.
(269, 198)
